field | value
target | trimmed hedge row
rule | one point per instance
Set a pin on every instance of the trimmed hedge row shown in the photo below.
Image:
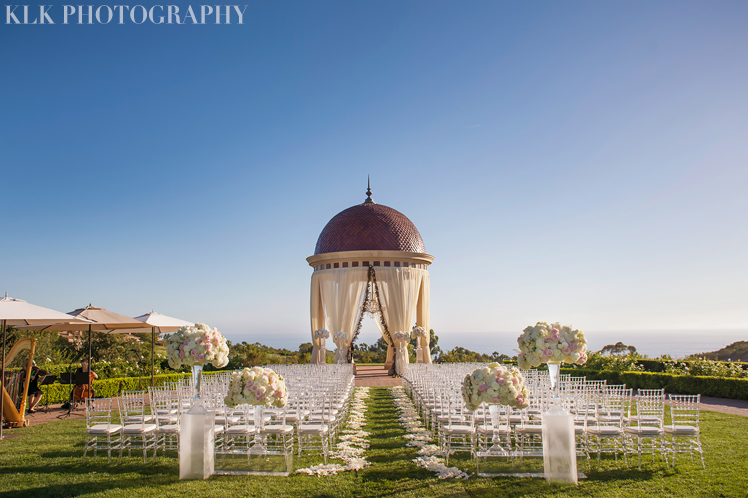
(718, 387)
(659, 366)
(107, 388)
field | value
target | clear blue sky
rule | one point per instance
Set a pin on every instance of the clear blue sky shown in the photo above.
(577, 161)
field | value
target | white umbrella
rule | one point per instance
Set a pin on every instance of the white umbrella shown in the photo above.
(16, 312)
(99, 320)
(164, 324)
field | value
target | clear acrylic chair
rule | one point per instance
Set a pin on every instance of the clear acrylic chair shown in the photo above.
(136, 433)
(166, 415)
(101, 434)
(683, 434)
(314, 433)
(607, 436)
(645, 434)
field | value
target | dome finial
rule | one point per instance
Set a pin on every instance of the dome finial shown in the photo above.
(368, 200)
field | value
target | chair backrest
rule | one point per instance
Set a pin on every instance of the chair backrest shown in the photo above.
(615, 406)
(98, 412)
(650, 407)
(132, 408)
(684, 409)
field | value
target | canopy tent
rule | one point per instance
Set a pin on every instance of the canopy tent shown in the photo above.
(16, 312)
(99, 320)
(164, 324)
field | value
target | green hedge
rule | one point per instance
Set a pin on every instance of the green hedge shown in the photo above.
(659, 366)
(107, 388)
(718, 387)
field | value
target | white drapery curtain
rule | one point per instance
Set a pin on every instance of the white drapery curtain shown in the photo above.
(423, 318)
(318, 321)
(341, 295)
(398, 293)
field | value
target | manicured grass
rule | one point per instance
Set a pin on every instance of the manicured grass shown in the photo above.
(46, 461)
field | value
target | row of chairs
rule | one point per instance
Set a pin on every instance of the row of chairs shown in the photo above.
(607, 418)
(319, 397)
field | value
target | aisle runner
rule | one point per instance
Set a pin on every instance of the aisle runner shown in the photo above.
(419, 437)
(353, 442)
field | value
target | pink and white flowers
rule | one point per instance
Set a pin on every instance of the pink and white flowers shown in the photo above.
(257, 386)
(495, 384)
(401, 336)
(321, 334)
(555, 343)
(419, 331)
(197, 345)
(340, 338)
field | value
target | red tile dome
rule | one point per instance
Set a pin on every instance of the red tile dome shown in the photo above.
(369, 227)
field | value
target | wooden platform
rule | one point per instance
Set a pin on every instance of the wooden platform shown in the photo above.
(374, 376)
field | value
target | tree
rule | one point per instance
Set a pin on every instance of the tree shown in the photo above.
(462, 355)
(617, 349)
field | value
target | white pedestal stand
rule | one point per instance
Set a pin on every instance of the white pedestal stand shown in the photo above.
(559, 447)
(196, 443)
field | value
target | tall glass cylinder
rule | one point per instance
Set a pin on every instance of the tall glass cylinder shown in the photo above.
(554, 372)
(197, 380)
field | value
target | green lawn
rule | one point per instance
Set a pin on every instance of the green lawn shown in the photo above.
(46, 461)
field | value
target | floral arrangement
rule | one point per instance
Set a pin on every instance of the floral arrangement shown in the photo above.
(340, 338)
(419, 331)
(495, 385)
(321, 334)
(401, 336)
(257, 386)
(197, 345)
(543, 343)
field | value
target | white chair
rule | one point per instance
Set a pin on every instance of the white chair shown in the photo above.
(277, 437)
(457, 433)
(529, 435)
(608, 433)
(645, 433)
(136, 432)
(165, 409)
(684, 433)
(239, 431)
(314, 433)
(99, 427)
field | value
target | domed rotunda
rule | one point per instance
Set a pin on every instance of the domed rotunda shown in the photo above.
(370, 259)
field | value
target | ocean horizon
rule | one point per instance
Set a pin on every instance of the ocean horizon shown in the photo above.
(651, 343)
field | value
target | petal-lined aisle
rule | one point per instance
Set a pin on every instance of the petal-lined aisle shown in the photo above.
(353, 441)
(420, 437)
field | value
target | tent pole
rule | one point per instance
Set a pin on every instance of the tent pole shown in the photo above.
(153, 347)
(2, 383)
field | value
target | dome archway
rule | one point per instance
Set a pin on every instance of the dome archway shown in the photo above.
(370, 258)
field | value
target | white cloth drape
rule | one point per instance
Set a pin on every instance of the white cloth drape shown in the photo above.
(342, 293)
(423, 317)
(318, 321)
(398, 293)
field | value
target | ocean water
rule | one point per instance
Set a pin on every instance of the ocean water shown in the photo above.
(651, 343)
